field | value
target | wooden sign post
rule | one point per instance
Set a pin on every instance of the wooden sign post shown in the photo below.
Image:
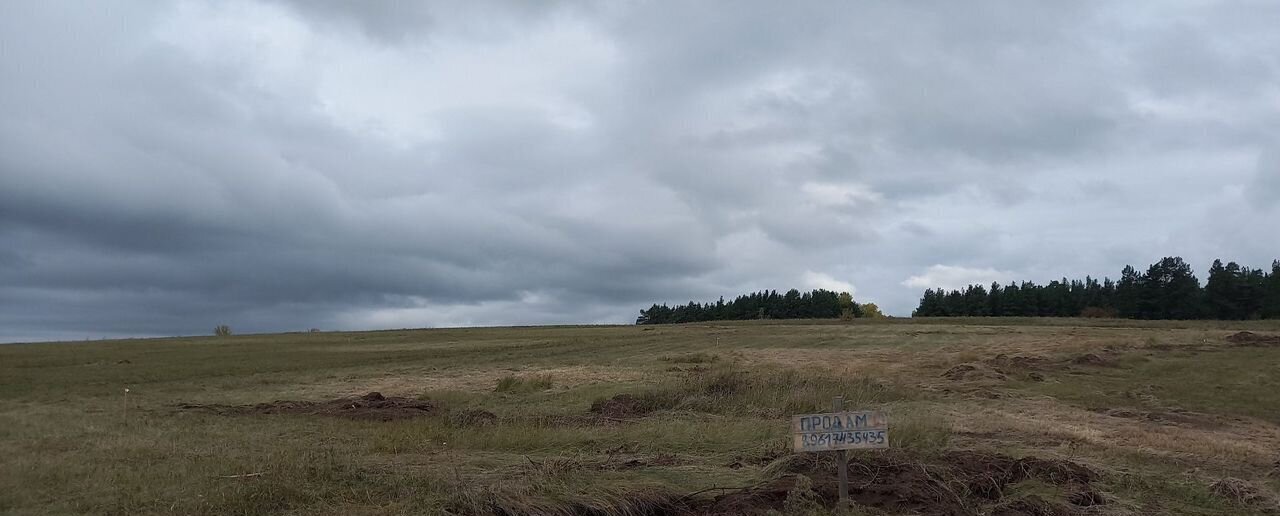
(842, 457)
(840, 431)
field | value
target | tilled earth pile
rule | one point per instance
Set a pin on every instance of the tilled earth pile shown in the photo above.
(373, 406)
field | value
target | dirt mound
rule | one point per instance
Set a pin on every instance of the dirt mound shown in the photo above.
(567, 420)
(1173, 417)
(1030, 367)
(757, 500)
(957, 483)
(1248, 338)
(661, 460)
(1052, 471)
(620, 406)
(1027, 362)
(974, 371)
(1090, 359)
(373, 406)
(516, 500)
(1031, 506)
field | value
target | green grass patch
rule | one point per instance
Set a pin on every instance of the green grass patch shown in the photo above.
(1230, 381)
(518, 385)
(767, 393)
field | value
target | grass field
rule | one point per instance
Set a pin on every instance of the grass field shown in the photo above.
(1155, 418)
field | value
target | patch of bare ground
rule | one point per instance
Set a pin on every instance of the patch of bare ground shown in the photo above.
(1173, 417)
(1031, 505)
(609, 462)
(1248, 338)
(974, 372)
(978, 376)
(372, 406)
(983, 363)
(621, 406)
(376, 407)
(498, 501)
(414, 382)
(620, 409)
(954, 484)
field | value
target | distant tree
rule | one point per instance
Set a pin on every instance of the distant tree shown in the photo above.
(1171, 291)
(995, 300)
(975, 301)
(871, 311)
(931, 304)
(221, 330)
(790, 305)
(816, 304)
(1168, 289)
(1013, 301)
(1096, 312)
(1128, 292)
(846, 305)
(1220, 294)
(1269, 307)
(1251, 292)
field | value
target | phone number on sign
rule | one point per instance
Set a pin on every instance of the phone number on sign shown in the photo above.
(834, 438)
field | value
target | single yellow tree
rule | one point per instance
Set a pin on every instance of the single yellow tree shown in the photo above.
(847, 306)
(871, 311)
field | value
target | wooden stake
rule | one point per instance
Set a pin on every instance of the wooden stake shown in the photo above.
(842, 460)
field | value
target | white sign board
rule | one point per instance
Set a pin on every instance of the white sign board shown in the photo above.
(840, 431)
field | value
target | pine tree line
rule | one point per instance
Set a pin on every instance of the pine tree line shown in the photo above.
(1168, 289)
(818, 304)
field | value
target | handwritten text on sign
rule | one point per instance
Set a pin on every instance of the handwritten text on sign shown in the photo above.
(839, 431)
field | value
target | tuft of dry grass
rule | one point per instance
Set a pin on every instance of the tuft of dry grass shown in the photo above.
(1242, 492)
(519, 385)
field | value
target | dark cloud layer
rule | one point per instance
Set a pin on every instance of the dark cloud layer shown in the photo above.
(282, 165)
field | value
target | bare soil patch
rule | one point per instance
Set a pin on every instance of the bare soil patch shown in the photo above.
(1170, 417)
(1025, 362)
(1031, 506)
(1248, 338)
(372, 406)
(1002, 367)
(974, 371)
(620, 407)
(1091, 359)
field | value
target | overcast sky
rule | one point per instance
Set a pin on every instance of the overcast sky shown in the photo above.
(283, 165)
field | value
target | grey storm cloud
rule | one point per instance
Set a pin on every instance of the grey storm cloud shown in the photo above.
(280, 165)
